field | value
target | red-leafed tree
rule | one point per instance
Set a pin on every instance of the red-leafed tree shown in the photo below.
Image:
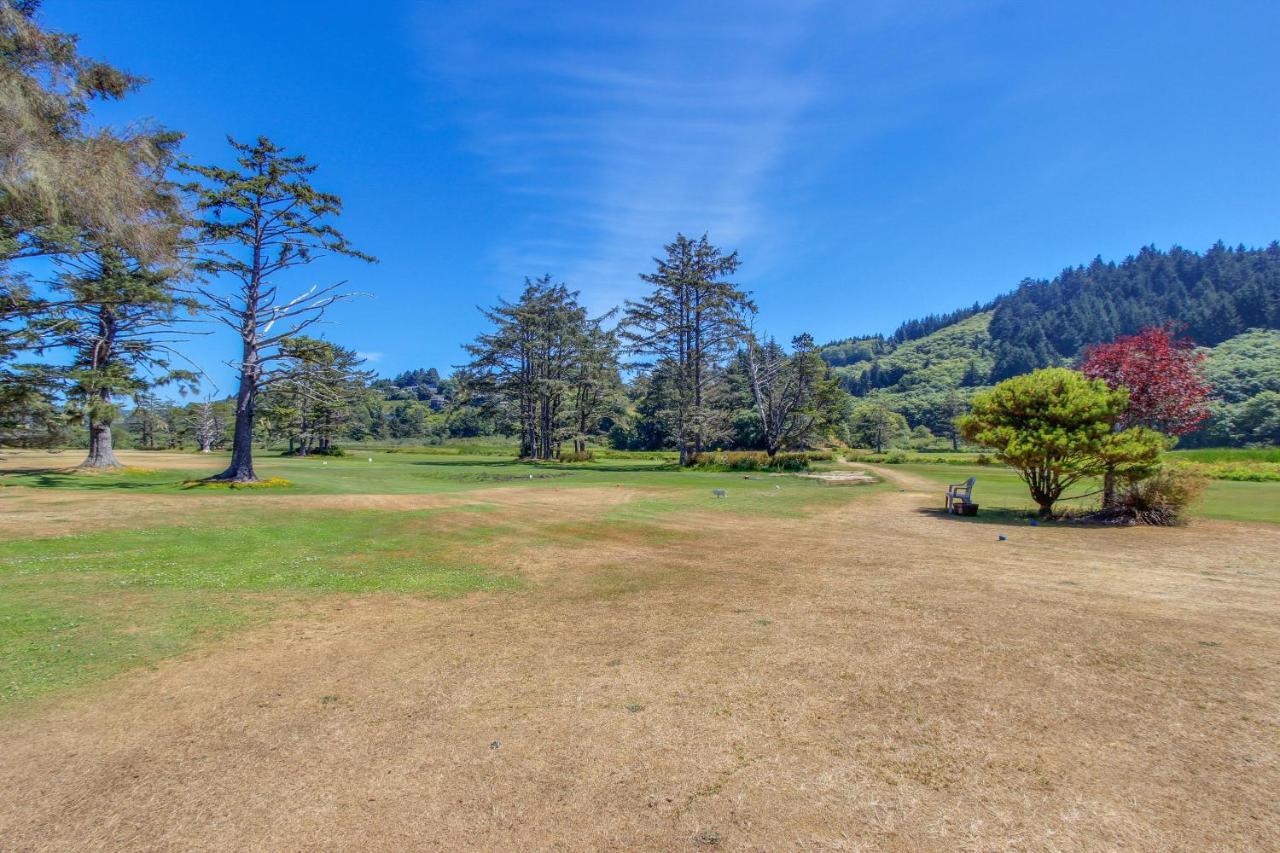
(1167, 392)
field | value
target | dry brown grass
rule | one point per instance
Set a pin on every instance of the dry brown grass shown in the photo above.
(149, 460)
(871, 678)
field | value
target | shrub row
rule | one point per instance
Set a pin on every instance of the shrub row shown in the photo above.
(1243, 472)
(750, 460)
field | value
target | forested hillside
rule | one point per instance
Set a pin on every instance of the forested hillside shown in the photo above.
(1215, 298)
(1212, 296)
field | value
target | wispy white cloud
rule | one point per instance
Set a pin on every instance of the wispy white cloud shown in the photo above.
(611, 130)
(371, 357)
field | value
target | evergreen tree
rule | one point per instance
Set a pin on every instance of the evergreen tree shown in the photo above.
(873, 424)
(687, 325)
(117, 321)
(66, 189)
(263, 218)
(317, 388)
(547, 365)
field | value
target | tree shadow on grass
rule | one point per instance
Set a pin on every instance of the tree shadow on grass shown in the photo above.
(49, 480)
(996, 515)
(1020, 517)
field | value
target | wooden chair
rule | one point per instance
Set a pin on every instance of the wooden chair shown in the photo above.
(959, 495)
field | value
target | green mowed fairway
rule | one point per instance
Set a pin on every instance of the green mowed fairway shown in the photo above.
(146, 565)
(999, 490)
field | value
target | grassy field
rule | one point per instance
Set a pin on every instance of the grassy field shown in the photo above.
(454, 650)
(133, 566)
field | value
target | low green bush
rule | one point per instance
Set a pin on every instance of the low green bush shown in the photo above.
(575, 456)
(316, 451)
(749, 460)
(1241, 472)
(791, 462)
(1228, 454)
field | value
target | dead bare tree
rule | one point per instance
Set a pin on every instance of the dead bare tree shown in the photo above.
(794, 396)
(206, 426)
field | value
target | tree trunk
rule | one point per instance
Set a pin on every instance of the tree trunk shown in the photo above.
(101, 454)
(1109, 487)
(1046, 509)
(241, 468)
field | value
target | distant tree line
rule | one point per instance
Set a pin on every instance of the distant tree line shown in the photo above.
(110, 244)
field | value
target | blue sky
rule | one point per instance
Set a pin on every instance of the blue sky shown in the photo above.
(871, 161)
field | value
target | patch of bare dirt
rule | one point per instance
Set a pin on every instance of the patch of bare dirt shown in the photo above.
(851, 477)
(871, 678)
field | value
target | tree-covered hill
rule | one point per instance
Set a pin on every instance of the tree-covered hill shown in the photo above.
(1212, 296)
(1215, 298)
(957, 355)
(1245, 374)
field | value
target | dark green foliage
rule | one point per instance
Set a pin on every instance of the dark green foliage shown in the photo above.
(117, 320)
(546, 369)
(317, 390)
(1215, 295)
(67, 190)
(872, 424)
(689, 323)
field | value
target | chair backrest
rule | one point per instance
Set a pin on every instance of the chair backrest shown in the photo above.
(967, 488)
